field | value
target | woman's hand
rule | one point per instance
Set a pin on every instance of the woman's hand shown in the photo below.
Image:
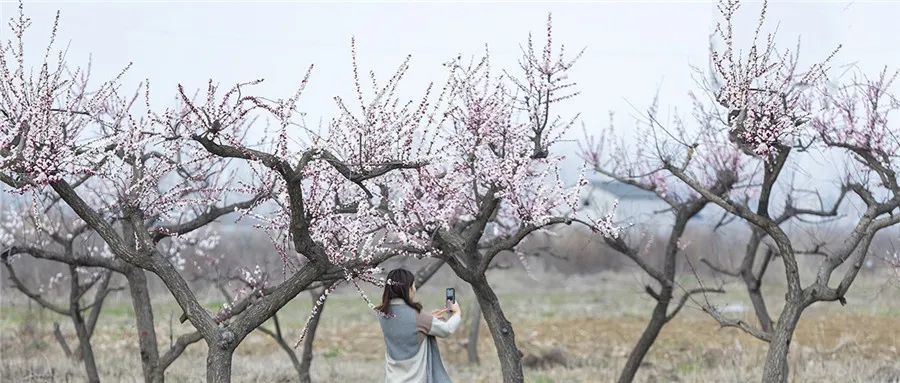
(439, 313)
(454, 308)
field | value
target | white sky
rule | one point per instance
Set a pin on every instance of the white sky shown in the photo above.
(633, 48)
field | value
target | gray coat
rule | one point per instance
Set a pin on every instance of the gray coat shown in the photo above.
(412, 354)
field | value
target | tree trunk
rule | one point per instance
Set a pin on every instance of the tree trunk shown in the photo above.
(143, 315)
(84, 337)
(753, 281)
(57, 333)
(474, 327)
(501, 331)
(660, 315)
(775, 370)
(306, 355)
(302, 372)
(759, 305)
(87, 352)
(303, 364)
(218, 363)
(640, 350)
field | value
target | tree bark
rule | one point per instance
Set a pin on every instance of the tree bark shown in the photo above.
(775, 370)
(84, 344)
(143, 315)
(302, 371)
(660, 315)
(501, 331)
(306, 355)
(289, 350)
(84, 337)
(425, 273)
(648, 337)
(759, 304)
(474, 327)
(218, 361)
(753, 280)
(57, 333)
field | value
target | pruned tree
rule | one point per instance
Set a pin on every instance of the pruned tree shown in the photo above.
(84, 328)
(23, 225)
(493, 180)
(156, 176)
(247, 280)
(758, 256)
(774, 112)
(633, 164)
(47, 235)
(324, 210)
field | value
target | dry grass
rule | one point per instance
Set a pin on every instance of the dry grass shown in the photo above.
(593, 319)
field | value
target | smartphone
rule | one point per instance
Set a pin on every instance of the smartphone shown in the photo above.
(451, 296)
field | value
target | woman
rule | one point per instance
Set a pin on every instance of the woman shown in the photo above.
(412, 351)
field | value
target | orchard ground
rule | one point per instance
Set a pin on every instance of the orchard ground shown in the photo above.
(592, 321)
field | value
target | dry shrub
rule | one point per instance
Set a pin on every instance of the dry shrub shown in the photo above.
(886, 374)
(547, 358)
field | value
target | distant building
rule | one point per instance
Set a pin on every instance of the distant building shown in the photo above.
(635, 205)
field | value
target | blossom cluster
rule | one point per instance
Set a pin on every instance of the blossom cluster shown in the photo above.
(763, 90)
(46, 114)
(857, 115)
(494, 149)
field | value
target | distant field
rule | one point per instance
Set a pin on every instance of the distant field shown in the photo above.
(593, 319)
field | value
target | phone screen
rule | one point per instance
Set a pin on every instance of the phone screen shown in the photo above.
(451, 295)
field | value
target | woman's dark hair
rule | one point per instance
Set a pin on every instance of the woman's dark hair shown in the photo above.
(400, 281)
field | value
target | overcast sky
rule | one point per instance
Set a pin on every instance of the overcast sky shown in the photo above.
(633, 48)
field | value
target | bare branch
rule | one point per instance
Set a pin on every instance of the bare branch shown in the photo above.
(737, 323)
(513, 240)
(31, 294)
(720, 269)
(211, 214)
(687, 295)
(180, 345)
